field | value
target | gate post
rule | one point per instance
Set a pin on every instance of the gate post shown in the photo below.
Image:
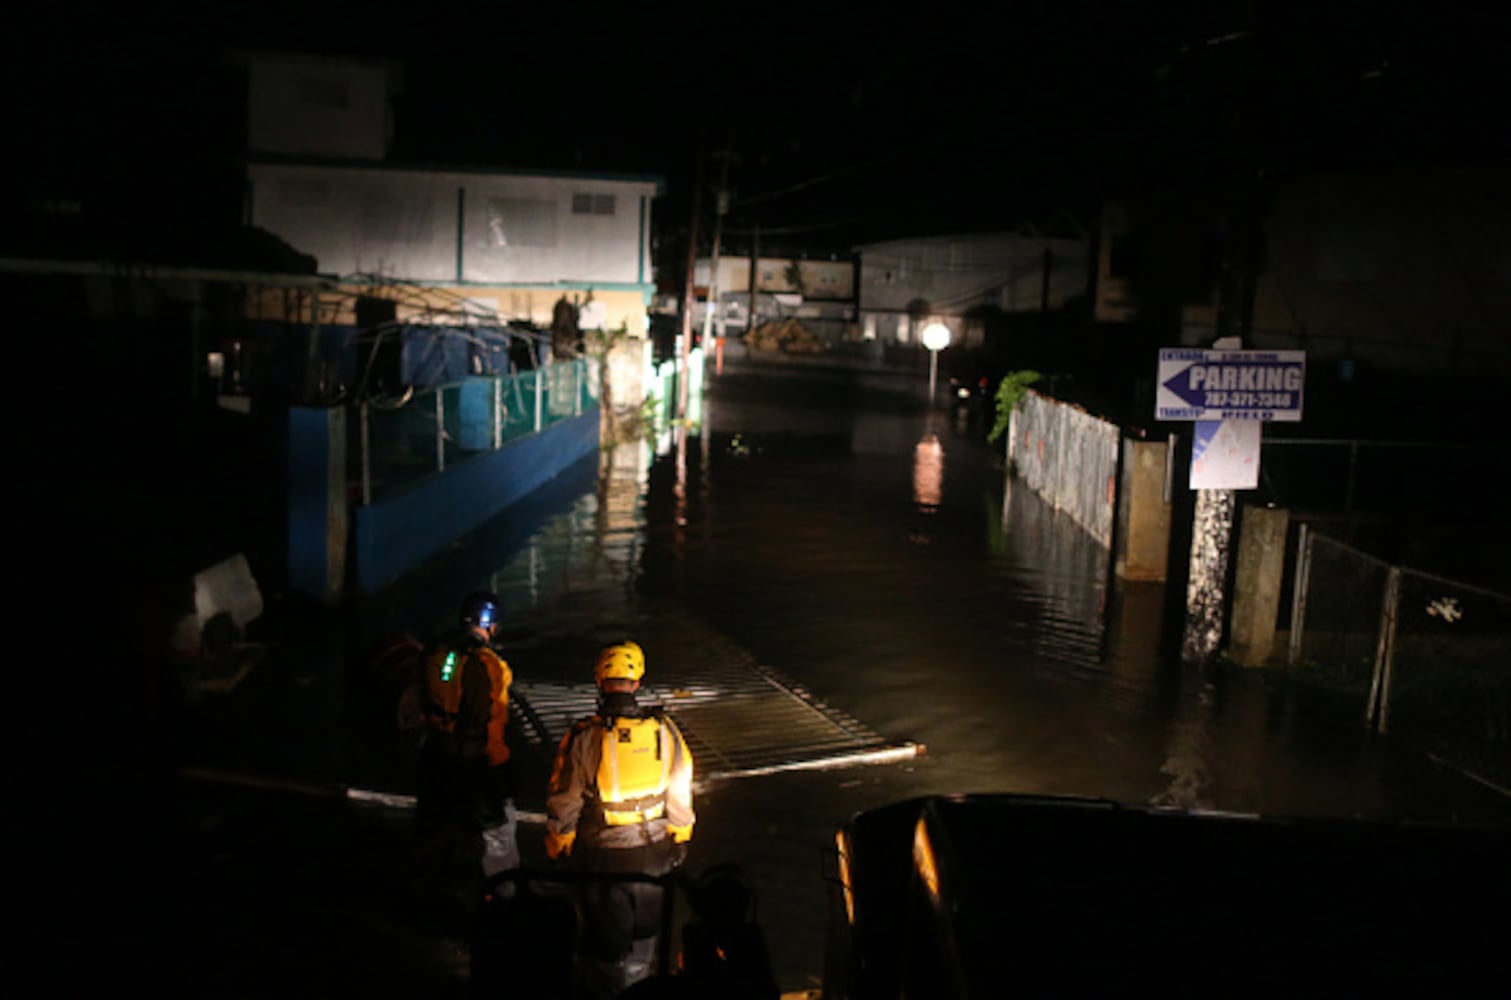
(1143, 530)
(1298, 592)
(1378, 710)
(1256, 590)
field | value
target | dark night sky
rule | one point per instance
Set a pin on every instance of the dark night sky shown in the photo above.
(850, 122)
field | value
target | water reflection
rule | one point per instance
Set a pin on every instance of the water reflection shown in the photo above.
(1065, 568)
(1188, 748)
(928, 473)
(928, 487)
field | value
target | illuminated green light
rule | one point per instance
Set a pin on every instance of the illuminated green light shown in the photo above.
(449, 667)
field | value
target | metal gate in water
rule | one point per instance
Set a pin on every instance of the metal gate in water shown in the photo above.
(737, 722)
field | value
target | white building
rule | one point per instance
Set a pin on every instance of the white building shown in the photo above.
(511, 240)
(819, 293)
(907, 283)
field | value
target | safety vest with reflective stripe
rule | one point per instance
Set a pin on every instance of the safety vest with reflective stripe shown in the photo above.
(634, 771)
(624, 780)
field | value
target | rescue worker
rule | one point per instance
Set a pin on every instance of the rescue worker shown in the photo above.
(465, 817)
(620, 801)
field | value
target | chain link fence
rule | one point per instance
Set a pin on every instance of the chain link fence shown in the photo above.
(1335, 618)
(1446, 680)
(1421, 657)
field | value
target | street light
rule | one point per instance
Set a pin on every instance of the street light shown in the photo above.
(936, 337)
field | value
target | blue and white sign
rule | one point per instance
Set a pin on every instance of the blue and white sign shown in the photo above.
(1225, 454)
(1196, 384)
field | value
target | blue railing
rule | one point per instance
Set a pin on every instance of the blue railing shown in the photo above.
(427, 431)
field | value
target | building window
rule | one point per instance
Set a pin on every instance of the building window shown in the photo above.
(322, 92)
(592, 204)
(518, 222)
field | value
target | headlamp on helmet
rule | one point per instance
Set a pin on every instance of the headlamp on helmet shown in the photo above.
(481, 609)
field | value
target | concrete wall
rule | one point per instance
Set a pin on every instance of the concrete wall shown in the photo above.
(1257, 583)
(457, 227)
(331, 549)
(1143, 533)
(398, 535)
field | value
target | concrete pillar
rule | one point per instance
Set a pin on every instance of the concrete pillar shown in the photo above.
(1206, 582)
(1143, 529)
(1256, 591)
(317, 511)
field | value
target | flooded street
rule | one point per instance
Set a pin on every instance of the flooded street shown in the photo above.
(827, 530)
(829, 527)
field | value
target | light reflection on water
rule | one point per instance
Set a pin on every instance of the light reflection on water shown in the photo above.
(809, 545)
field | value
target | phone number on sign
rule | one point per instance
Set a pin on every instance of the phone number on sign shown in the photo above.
(1219, 399)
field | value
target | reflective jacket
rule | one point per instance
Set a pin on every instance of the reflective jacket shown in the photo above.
(620, 781)
(466, 697)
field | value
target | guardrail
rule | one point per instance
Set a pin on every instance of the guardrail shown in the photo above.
(402, 441)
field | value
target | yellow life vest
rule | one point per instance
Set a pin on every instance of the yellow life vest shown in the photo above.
(634, 770)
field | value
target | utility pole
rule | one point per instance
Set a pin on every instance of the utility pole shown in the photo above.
(755, 275)
(1212, 521)
(693, 225)
(721, 208)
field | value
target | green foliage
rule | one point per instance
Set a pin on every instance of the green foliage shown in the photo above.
(1010, 393)
(635, 424)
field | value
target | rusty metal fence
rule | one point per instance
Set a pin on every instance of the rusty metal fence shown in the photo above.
(1421, 657)
(1068, 457)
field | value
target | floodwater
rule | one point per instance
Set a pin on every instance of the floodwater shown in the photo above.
(824, 525)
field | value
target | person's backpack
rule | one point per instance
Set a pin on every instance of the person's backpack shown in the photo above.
(446, 668)
(635, 768)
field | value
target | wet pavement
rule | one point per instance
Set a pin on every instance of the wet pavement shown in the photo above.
(824, 528)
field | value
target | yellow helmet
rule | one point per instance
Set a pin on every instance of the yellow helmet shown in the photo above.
(624, 661)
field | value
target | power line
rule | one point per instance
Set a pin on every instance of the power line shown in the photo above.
(814, 181)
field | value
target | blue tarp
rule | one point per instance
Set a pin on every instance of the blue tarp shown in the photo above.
(429, 355)
(439, 355)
